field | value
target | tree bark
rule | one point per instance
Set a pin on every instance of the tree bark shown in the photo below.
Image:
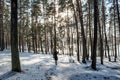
(14, 38)
(115, 56)
(76, 24)
(118, 14)
(93, 65)
(79, 7)
(2, 44)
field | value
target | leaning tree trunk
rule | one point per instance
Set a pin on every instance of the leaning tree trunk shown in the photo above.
(14, 38)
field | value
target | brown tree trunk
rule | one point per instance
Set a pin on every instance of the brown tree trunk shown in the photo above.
(89, 25)
(76, 24)
(101, 42)
(118, 14)
(33, 36)
(14, 38)
(55, 42)
(93, 65)
(115, 32)
(103, 23)
(2, 44)
(79, 7)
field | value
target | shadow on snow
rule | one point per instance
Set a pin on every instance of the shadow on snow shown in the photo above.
(7, 75)
(90, 76)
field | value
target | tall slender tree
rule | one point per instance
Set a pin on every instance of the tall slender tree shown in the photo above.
(101, 36)
(118, 14)
(2, 46)
(115, 31)
(89, 24)
(79, 7)
(93, 65)
(14, 37)
(105, 32)
(55, 26)
(76, 24)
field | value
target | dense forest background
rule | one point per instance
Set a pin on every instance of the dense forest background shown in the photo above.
(86, 28)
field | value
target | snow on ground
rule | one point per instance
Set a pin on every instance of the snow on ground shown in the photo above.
(41, 67)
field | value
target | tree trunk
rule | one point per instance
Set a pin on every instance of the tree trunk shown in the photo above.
(46, 45)
(55, 42)
(103, 23)
(51, 40)
(101, 42)
(2, 44)
(118, 14)
(76, 23)
(115, 32)
(79, 7)
(14, 38)
(93, 65)
(112, 46)
(89, 25)
(33, 35)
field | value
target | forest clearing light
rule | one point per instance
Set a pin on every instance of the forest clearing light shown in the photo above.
(29, 62)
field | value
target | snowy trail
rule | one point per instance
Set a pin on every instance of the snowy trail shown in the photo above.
(42, 67)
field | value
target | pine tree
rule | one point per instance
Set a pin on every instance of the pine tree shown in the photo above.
(93, 65)
(14, 38)
(118, 14)
(2, 46)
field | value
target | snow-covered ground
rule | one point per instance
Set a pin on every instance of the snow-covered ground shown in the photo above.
(42, 67)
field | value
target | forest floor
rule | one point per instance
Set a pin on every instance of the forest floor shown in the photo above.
(42, 67)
